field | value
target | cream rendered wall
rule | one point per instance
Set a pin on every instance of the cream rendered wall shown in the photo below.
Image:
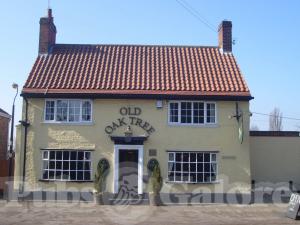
(233, 157)
(275, 160)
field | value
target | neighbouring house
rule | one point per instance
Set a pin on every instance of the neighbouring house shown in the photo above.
(275, 159)
(4, 126)
(185, 106)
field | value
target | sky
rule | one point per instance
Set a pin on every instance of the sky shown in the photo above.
(266, 33)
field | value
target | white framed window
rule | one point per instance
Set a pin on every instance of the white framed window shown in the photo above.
(192, 112)
(210, 113)
(66, 165)
(68, 111)
(49, 110)
(192, 167)
(174, 112)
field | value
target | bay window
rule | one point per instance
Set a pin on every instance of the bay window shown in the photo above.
(192, 167)
(72, 111)
(192, 112)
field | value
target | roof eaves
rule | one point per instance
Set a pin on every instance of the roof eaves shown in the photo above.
(137, 94)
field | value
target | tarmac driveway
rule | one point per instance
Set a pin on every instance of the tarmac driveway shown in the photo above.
(88, 213)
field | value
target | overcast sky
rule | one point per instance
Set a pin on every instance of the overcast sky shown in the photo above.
(267, 38)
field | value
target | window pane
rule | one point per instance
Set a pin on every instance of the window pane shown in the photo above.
(211, 113)
(45, 174)
(65, 175)
(206, 157)
(174, 110)
(178, 177)
(171, 176)
(185, 177)
(198, 112)
(87, 175)
(213, 173)
(51, 174)
(58, 175)
(73, 165)
(87, 166)
(206, 177)
(186, 112)
(200, 157)
(73, 155)
(86, 111)
(58, 155)
(193, 177)
(79, 175)
(171, 156)
(79, 165)
(62, 110)
(50, 105)
(52, 155)
(185, 167)
(45, 164)
(200, 167)
(200, 177)
(171, 166)
(66, 155)
(87, 155)
(74, 110)
(178, 157)
(58, 165)
(213, 157)
(73, 175)
(178, 167)
(80, 156)
(66, 165)
(45, 155)
(193, 167)
(52, 165)
(186, 157)
(193, 157)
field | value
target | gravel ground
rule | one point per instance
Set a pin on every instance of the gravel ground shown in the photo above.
(40, 213)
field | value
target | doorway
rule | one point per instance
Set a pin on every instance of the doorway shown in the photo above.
(128, 169)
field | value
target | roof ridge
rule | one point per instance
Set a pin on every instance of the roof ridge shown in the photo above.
(141, 45)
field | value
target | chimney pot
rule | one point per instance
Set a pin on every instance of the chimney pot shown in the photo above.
(49, 13)
(225, 36)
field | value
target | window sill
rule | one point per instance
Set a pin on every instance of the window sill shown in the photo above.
(69, 123)
(194, 125)
(192, 183)
(67, 181)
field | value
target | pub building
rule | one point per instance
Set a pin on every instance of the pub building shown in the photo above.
(185, 106)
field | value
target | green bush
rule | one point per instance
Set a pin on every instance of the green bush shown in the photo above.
(156, 179)
(100, 176)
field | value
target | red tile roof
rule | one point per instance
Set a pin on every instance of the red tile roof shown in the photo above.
(135, 70)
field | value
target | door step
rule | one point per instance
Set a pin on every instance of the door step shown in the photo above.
(133, 200)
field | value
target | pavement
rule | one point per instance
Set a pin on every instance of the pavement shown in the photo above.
(53, 213)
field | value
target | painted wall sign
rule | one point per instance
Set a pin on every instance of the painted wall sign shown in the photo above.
(129, 111)
(294, 207)
(131, 119)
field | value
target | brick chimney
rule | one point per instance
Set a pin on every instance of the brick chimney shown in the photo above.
(47, 33)
(225, 36)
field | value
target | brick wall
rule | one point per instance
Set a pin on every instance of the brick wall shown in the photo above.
(4, 124)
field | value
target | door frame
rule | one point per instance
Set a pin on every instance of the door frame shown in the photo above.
(140, 149)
